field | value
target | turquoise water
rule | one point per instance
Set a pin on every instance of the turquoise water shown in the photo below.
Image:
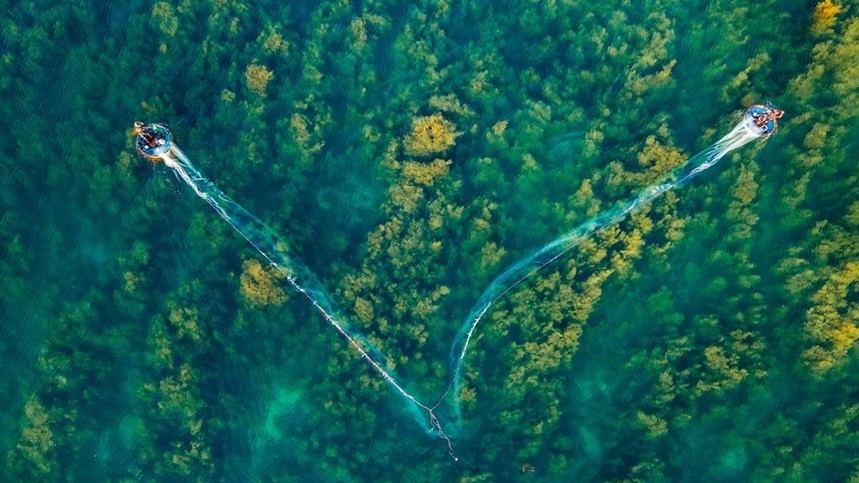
(712, 335)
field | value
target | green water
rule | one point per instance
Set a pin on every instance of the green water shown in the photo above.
(709, 337)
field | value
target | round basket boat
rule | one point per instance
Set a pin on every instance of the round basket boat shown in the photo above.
(153, 140)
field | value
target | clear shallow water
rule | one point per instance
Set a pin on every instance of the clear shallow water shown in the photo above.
(131, 351)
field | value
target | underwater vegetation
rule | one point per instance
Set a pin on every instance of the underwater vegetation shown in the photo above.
(408, 154)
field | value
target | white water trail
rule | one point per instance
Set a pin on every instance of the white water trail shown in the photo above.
(740, 135)
(276, 253)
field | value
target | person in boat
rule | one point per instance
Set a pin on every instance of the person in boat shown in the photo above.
(151, 139)
(762, 118)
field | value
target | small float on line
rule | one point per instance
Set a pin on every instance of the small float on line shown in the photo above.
(763, 120)
(153, 140)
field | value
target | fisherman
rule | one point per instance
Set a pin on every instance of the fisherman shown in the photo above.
(761, 118)
(150, 139)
